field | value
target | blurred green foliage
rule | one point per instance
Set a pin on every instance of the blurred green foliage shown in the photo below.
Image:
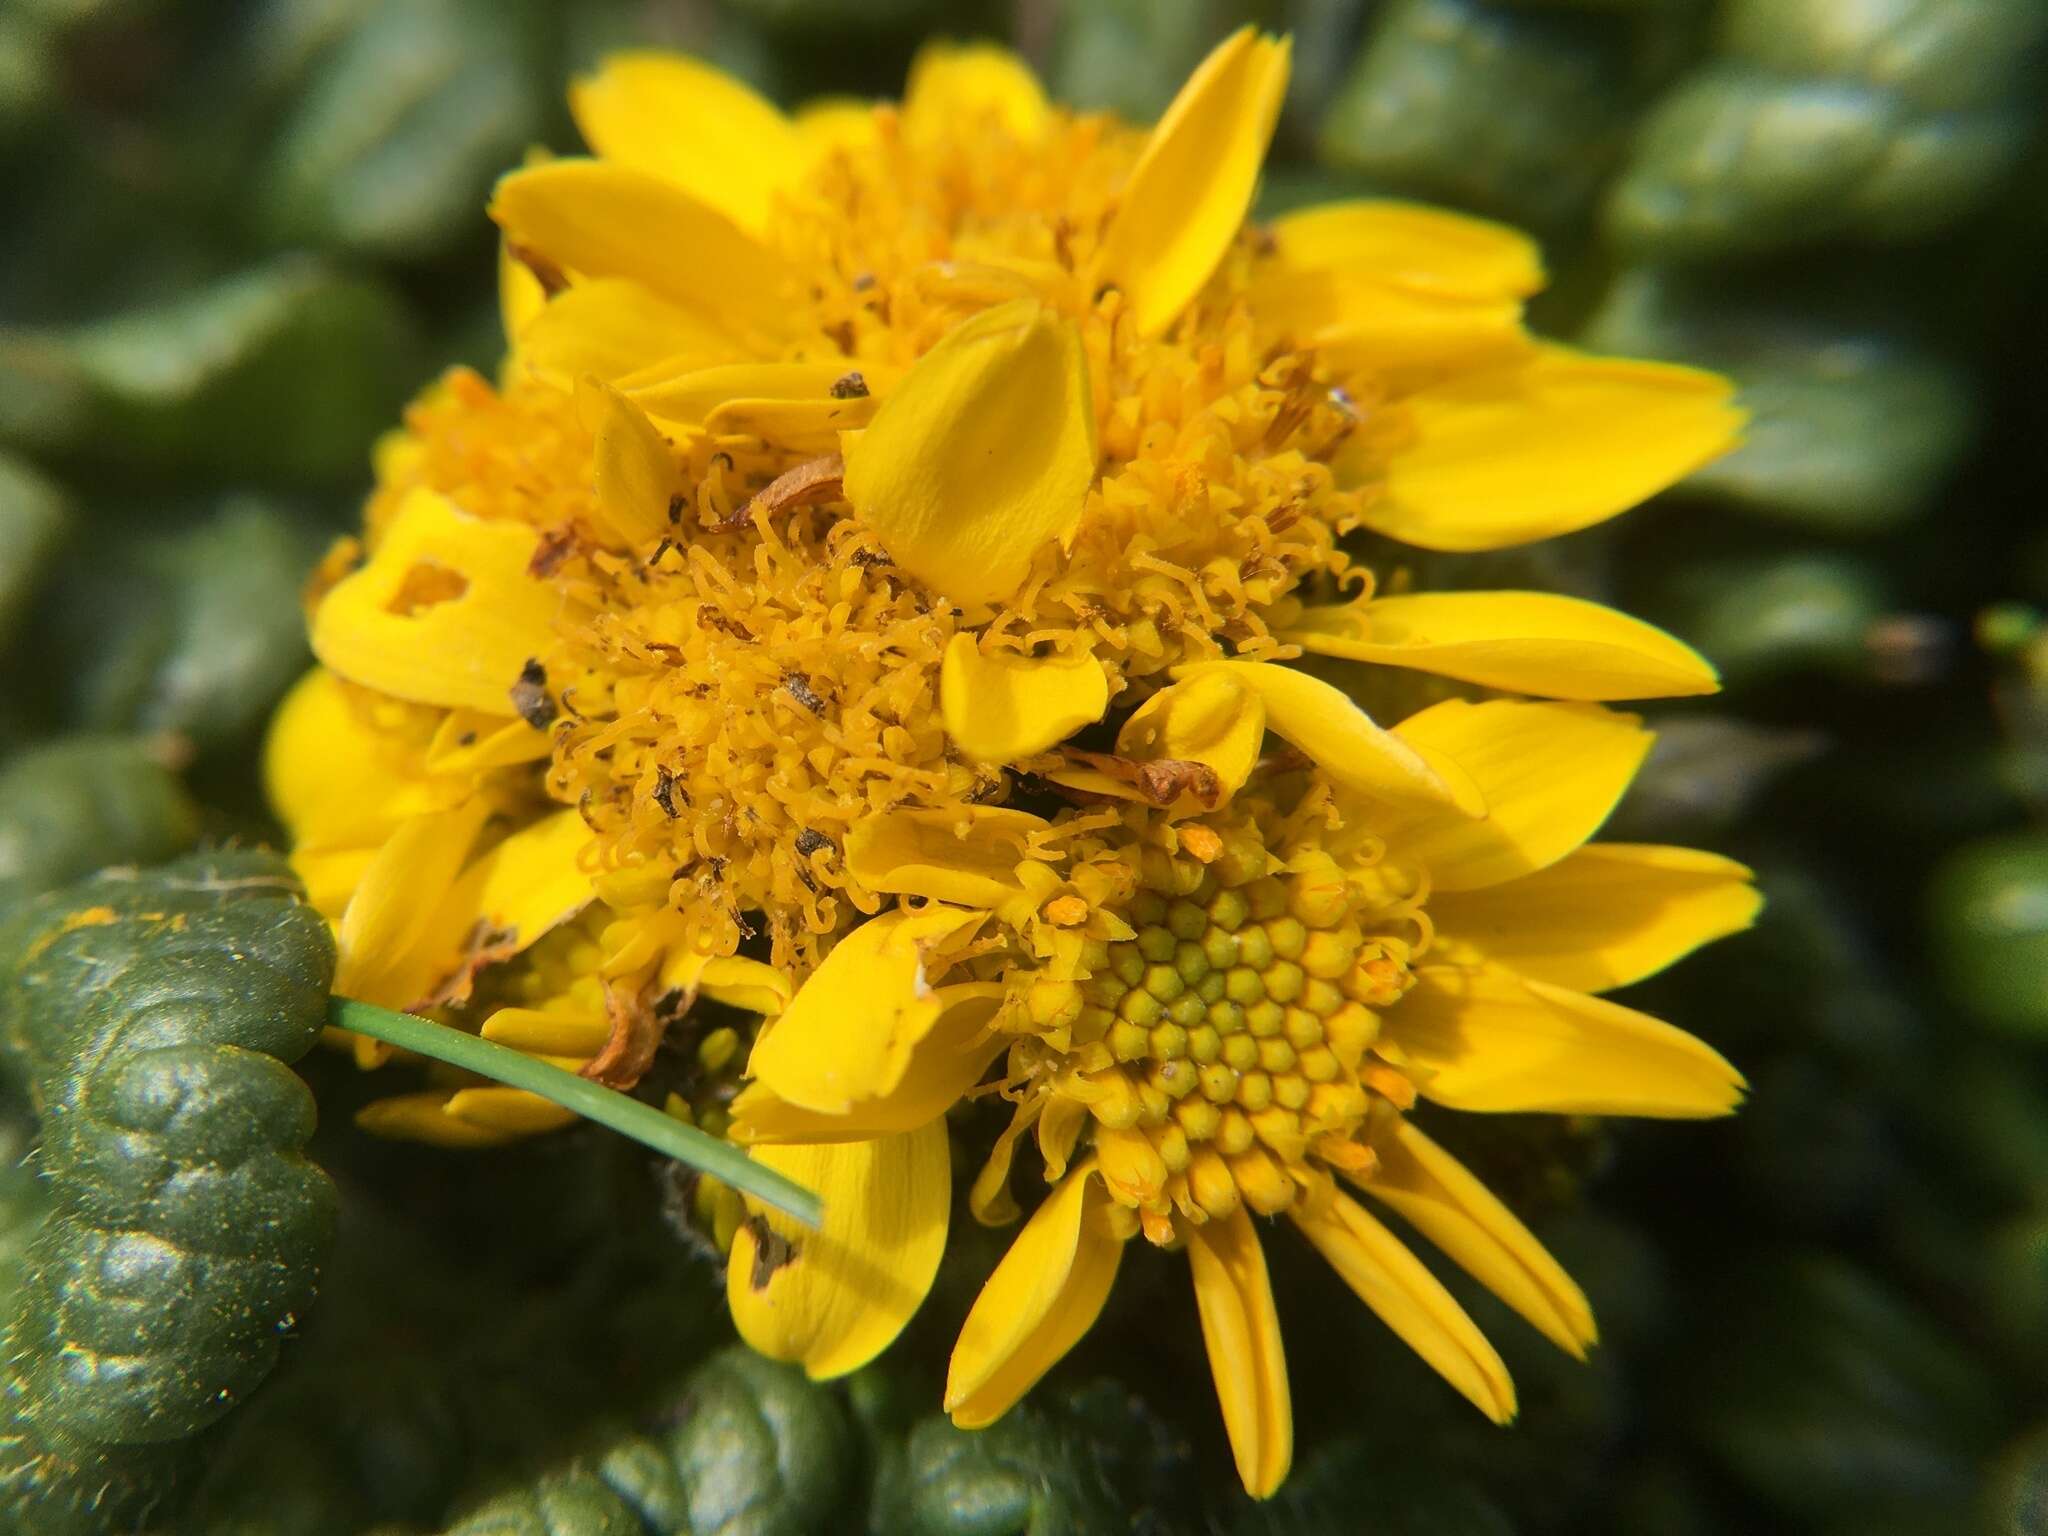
(241, 234)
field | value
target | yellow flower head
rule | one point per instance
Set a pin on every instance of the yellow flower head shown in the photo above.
(865, 600)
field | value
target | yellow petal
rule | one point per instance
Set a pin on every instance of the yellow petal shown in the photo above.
(333, 780)
(405, 883)
(639, 479)
(1549, 774)
(730, 979)
(1566, 441)
(1189, 192)
(468, 742)
(947, 1061)
(444, 612)
(330, 878)
(546, 1032)
(1406, 335)
(1410, 1300)
(981, 455)
(1212, 717)
(610, 327)
(679, 119)
(424, 1117)
(1001, 707)
(1409, 243)
(1044, 1295)
(520, 294)
(1526, 642)
(834, 1299)
(850, 1032)
(833, 123)
(1242, 1332)
(508, 1112)
(1485, 1039)
(1322, 720)
(531, 882)
(953, 83)
(800, 407)
(604, 220)
(1602, 917)
(968, 858)
(1441, 1199)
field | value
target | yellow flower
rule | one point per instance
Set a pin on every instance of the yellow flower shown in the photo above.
(1208, 1017)
(863, 601)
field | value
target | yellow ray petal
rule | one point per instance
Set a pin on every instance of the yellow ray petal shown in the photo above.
(1549, 774)
(444, 612)
(424, 1117)
(1526, 642)
(331, 878)
(406, 882)
(801, 407)
(730, 979)
(1409, 243)
(333, 780)
(1242, 1331)
(850, 1032)
(1526, 453)
(639, 479)
(1441, 1199)
(521, 296)
(1001, 707)
(1189, 191)
(834, 1299)
(832, 123)
(1408, 335)
(531, 882)
(1323, 721)
(967, 858)
(981, 455)
(546, 1032)
(1484, 1038)
(611, 327)
(677, 118)
(1044, 1295)
(604, 220)
(1410, 1300)
(952, 83)
(948, 1060)
(468, 742)
(1603, 916)
(508, 1112)
(1212, 717)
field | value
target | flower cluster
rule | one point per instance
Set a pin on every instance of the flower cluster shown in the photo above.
(871, 598)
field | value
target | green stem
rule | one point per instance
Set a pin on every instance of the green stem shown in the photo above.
(593, 1101)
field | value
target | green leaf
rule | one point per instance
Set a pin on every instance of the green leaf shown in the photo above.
(1825, 1394)
(1988, 920)
(35, 519)
(73, 805)
(1096, 1463)
(210, 631)
(390, 148)
(1765, 616)
(1509, 114)
(1851, 432)
(1824, 121)
(1348, 1486)
(153, 1015)
(284, 372)
(1131, 56)
(748, 1448)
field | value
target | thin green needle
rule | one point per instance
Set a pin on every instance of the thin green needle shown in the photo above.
(593, 1101)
